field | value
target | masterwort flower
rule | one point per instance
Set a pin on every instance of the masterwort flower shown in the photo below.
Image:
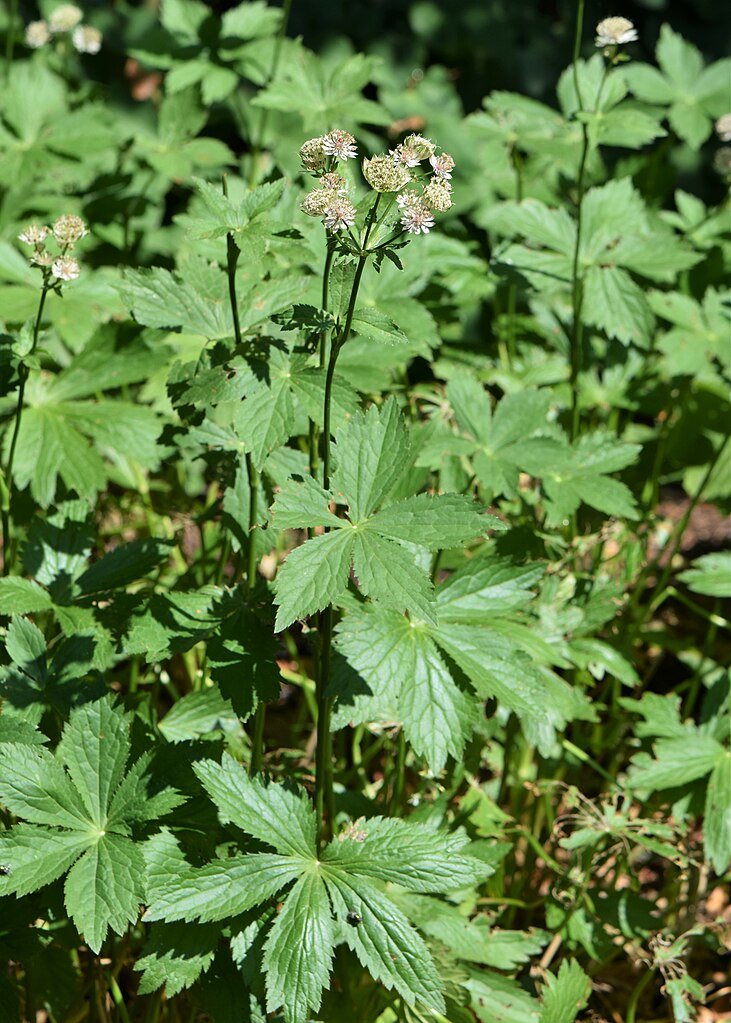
(86, 39)
(37, 34)
(340, 143)
(316, 202)
(340, 213)
(424, 147)
(312, 154)
(64, 18)
(34, 234)
(442, 165)
(615, 32)
(384, 175)
(335, 182)
(438, 195)
(416, 217)
(406, 155)
(68, 229)
(65, 269)
(41, 258)
(723, 128)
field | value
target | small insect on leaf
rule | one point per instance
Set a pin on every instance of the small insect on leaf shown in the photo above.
(354, 919)
(5, 870)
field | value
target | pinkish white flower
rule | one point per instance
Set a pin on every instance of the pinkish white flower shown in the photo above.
(417, 218)
(442, 165)
(64, 18)
(406, 155)
(34, 234)
(312, 154)
(68, 229)
(37, 34)
(615, 32)
(340, 214)
(65, 269)
(340, 144)
(41, 258)
(86, 39)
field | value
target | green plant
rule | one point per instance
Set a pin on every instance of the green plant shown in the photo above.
(364, 576)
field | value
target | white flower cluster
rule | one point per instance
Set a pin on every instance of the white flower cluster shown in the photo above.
(63, 20)
(612, 32)
(387, 172)
(418, 208)
(66, 232)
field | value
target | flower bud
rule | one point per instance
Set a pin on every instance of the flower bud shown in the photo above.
(383, 175)
(312, 154)
(438, 195)
(69, 229)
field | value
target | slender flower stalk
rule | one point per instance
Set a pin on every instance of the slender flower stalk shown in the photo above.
(232, 258)
(23, 373)
(324, 801)
(577, 283)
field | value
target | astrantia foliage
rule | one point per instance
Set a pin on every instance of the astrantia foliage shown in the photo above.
(364, 483)
(80, 810)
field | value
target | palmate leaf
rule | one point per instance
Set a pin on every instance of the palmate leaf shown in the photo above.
(322, 95)
(316, 891)
(372, 453)
(77, 820)
(490, 439)
(405, 670)
(694, 94)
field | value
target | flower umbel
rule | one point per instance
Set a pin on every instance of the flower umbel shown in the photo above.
(65, 269)
(86, 39)
(438, 195)
(385, 175)
(34, 234)
(339, 214)
(312, 154)
(64, 18)
(615, 32)
(340, 144)
(68, 229)
(37, 34)
(442, 165)
(416, 217)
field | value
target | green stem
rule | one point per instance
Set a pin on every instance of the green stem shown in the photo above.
(23, 374)
(258, 142)
(577, 297)
(118, 999)
(632, 1004)
(399, 779)
(314, 438)
(232, 258)
(324, 802)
